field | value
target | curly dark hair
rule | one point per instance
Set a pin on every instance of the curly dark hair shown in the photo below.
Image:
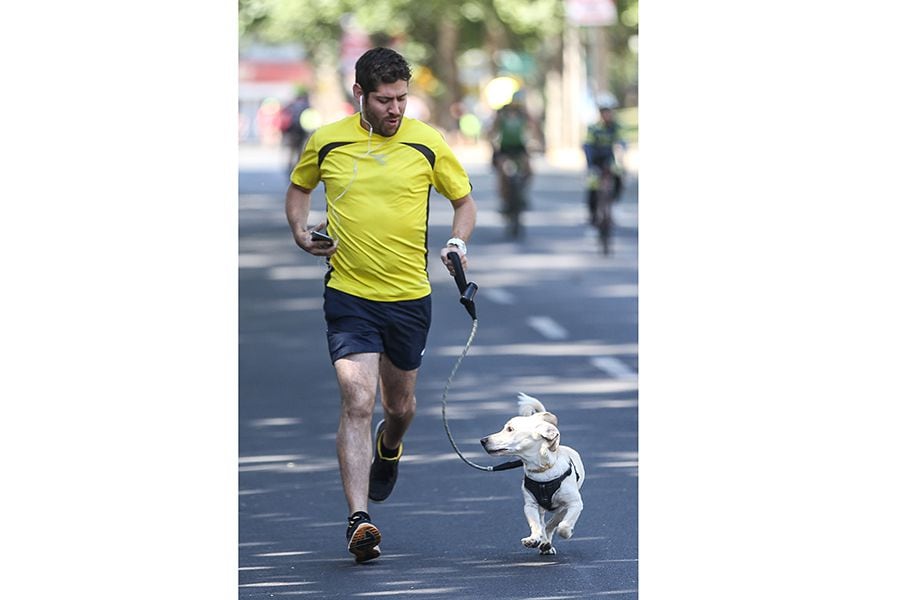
(380, 65)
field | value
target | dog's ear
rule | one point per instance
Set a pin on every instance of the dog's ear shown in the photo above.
(529, 405)
(526, 405)
(549, 432)
(549, 418)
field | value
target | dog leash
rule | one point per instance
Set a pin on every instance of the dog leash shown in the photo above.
(468, 290)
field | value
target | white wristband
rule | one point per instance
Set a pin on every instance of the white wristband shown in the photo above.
(458, 243)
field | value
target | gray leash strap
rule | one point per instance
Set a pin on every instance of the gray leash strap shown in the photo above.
(445, 393)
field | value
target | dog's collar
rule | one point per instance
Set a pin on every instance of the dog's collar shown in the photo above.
(543, 491)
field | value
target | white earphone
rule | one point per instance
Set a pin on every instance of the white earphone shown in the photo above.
(369, 151)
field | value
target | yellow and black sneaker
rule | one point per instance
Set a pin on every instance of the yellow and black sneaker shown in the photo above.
(363, 537)
(384, 470)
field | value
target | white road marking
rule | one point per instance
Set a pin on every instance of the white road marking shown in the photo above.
(286, 273)
(594, 404)
(499, 296)
(295, 304)
(412, 591)
(548, 328)
(275, 422)
(580, 348)
(245, 460)
(625, 217)
(275, 583)
(614, 367)
(619, 290)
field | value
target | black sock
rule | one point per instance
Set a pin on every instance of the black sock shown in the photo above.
(387, 452)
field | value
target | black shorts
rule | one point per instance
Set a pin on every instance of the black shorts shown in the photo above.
(397, 329)
(515, 152)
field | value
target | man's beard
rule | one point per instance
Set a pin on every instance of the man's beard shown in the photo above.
(379, 124)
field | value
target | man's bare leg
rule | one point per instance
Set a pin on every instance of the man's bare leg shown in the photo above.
(398, 401)
(357, 376)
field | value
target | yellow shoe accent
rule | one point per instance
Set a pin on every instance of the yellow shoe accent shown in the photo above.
(379, 449)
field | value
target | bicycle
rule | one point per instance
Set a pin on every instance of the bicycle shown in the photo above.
(606, 181)
(514, 193)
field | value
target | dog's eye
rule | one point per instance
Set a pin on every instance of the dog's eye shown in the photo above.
(509, 429)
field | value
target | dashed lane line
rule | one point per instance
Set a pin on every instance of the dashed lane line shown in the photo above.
(548, 328)
(614, 367)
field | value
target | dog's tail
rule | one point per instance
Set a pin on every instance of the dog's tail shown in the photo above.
(528, 405)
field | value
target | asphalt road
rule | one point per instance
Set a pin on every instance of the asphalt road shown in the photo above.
(557, 320)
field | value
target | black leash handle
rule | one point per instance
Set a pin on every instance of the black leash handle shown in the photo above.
(467, 288)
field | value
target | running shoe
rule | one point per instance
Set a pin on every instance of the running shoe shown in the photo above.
(363, 537)
(384, 470)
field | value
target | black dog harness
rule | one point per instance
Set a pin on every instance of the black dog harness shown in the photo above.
(543, 491)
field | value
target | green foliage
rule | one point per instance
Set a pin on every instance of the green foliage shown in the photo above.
(528, 27)
(538, 18)
(315, 24)
(623, 63)
(628, 121)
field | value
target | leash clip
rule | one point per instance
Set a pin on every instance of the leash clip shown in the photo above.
(512, 464)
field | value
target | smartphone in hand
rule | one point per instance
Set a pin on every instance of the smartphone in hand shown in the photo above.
(318, 236)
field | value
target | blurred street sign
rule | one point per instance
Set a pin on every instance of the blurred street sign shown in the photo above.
(590, 13)
(271, 71)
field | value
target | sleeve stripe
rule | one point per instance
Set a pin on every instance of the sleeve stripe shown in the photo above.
(328, 148)
(429, 154)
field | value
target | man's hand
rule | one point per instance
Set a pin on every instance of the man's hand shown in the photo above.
(316, 248)
(445, 258)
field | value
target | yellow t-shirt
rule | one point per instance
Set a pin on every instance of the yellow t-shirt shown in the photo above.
(378, 200)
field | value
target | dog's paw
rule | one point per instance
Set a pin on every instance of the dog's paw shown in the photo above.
(531, 542)
(565, 531)
(547, 548)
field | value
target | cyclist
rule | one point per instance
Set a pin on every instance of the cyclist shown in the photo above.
(293, 134)
(600, 143)
(509, 136)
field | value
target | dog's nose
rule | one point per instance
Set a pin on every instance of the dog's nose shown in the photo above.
(483, 442)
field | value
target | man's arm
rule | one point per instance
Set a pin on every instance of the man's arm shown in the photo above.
(588, 147)
(297, 210)
(463, 222)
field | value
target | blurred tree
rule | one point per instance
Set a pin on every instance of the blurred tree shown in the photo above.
(623, 48)
(315, 24)
(430, 33)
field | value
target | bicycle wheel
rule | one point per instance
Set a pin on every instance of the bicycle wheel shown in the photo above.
(514, 206)
(603, 215)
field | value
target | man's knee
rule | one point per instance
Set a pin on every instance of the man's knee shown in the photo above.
(401, 408)
(358, 406)
(356, 413)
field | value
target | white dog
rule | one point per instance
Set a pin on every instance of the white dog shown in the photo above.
(554, 474)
